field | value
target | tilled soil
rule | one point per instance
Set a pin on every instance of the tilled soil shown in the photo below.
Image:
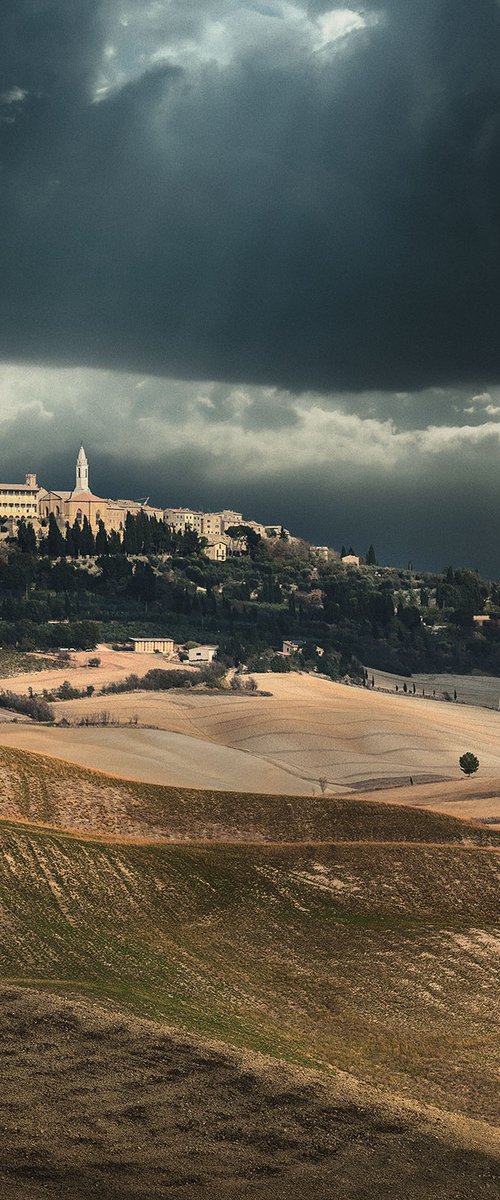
(94, 1103)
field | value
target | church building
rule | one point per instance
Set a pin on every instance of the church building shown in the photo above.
(68, 507)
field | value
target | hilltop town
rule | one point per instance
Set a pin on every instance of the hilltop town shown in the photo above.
(34, 504)
(124, 569)
(219, 532)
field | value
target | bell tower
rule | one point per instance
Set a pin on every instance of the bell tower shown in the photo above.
(82, 471)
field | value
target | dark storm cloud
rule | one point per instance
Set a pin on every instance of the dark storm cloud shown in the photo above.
(312, 218)
(305, 217)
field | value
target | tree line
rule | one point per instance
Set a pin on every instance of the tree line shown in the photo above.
(141, 534)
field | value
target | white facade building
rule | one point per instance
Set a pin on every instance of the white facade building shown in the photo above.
(202, 654)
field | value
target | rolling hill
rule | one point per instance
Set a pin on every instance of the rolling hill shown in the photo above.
(308, 729)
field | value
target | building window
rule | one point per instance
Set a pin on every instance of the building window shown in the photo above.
(79, 516)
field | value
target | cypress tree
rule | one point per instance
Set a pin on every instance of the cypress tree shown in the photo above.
(101, 541)
(131, 536)
(22, 536)
(114, 542)
(56, 546)
(87, 543)
(69, 542)
(30, 539)
(76, 537)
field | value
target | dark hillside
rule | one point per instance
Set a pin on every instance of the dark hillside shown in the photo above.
(102, 1104)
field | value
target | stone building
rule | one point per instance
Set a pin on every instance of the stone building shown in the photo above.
(216, 551)
(206, 524)
(36, 504)
(351, 560)
(18, 500)
(68, 507)
(203, 654)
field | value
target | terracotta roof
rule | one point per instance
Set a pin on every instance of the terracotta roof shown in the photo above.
(85, 496)
(19, 487)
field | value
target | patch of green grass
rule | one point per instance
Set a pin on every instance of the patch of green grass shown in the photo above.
(17, 662)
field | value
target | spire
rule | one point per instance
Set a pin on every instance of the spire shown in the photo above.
(82, 471)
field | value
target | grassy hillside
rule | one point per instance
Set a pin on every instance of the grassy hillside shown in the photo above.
(47, 791)
(373, 958)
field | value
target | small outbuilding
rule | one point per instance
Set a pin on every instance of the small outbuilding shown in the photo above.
(202, 654)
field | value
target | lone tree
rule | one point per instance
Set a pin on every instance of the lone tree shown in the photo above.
(468, 763)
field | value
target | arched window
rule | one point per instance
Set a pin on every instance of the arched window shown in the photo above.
(47, 511)
(79, 516)
(98, 515)
(58, 511)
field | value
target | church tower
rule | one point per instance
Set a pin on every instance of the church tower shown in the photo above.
(82, 472)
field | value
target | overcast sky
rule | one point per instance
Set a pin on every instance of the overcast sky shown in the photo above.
(250, 255)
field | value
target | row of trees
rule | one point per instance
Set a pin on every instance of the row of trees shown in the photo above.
(31, 635)
(141, 534)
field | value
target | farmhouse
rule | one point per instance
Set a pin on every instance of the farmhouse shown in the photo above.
(291, 647)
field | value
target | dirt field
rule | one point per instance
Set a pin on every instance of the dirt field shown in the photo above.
(308, 728)
(374, 958)
(100, 1104)
(115, 665)
(473, 798)
(155, 756)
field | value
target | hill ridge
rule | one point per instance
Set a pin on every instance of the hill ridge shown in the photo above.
(49, 792)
